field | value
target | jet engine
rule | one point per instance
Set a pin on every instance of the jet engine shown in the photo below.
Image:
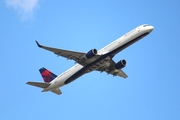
(121, 64)
(90, 54)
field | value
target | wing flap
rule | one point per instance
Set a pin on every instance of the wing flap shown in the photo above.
(39, 84)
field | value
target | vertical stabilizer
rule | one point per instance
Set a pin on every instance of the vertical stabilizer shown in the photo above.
(47, 75)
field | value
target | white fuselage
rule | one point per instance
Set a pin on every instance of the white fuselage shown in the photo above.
(112, 49)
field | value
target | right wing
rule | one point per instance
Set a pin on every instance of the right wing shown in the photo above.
(64, 53)
(72, 55)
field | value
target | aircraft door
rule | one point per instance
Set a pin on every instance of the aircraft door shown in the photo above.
(138, 29)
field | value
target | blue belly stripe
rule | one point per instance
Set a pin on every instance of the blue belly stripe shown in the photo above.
(111, 54)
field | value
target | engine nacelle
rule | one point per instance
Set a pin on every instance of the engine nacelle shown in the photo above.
(121, 64)
(90, 54)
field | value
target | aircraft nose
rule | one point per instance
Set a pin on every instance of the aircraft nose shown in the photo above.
(151, 28)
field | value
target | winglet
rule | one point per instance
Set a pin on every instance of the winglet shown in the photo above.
(38, 44)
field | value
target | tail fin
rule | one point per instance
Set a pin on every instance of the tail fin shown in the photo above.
(47, 75)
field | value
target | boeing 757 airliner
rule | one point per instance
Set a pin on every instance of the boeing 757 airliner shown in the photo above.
(93, 60)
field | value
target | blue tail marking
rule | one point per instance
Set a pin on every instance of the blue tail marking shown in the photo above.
(47, 75)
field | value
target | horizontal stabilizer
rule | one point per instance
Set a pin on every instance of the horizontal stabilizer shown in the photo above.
(56, 91)
(39, 84)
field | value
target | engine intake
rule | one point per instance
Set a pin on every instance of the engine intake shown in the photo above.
(90, 54)
(121, 64)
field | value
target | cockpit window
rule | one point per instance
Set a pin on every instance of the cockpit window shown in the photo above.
(145, 25)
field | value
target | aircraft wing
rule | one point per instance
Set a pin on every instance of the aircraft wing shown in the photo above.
(64, 53)
(117, 72)
(111, 69)
(72, 55)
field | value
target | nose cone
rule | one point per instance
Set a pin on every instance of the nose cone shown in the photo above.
(150, 28)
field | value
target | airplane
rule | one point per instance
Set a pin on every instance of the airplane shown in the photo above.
(93, 60)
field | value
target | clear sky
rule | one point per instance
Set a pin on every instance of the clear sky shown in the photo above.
(152, 90)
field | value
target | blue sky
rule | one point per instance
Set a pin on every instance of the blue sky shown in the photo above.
(152, 90)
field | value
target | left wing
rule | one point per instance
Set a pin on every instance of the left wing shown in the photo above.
(72, 55)
(117, 72)
(110, 69)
